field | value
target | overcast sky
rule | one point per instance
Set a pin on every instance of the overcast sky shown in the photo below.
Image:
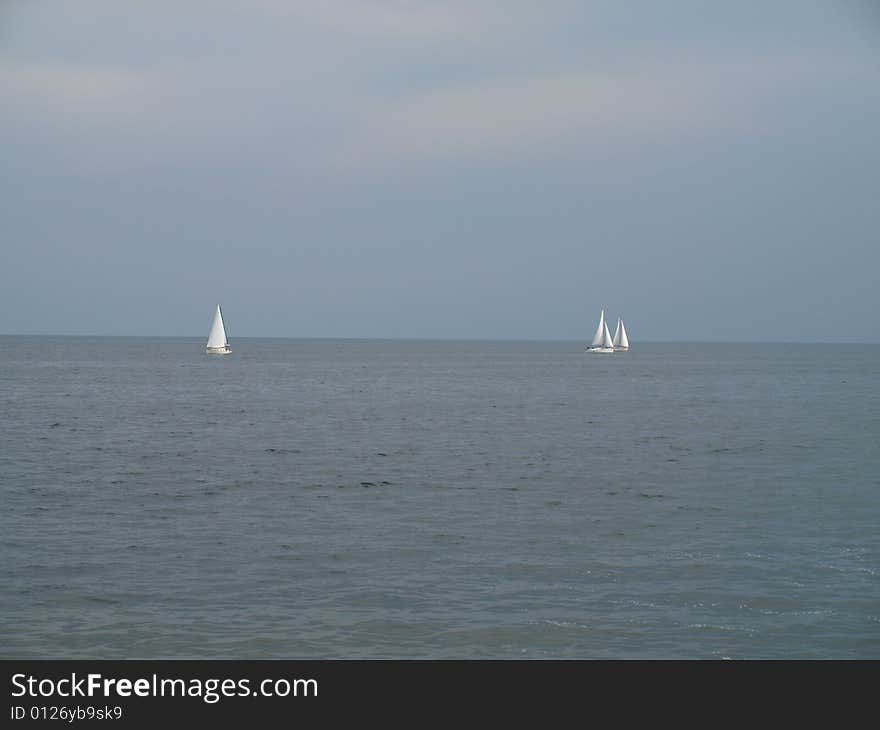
(381, 168)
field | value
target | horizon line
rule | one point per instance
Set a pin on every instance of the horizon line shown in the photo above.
(447, 339)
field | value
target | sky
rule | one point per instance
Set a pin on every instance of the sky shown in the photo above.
(458, 169)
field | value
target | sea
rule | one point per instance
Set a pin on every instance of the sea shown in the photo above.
(382, 499)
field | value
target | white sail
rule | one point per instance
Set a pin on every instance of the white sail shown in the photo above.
(606, 340)
(599, 337)
(217, 339)
(620, 339)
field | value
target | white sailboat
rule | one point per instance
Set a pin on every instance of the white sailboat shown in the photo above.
(217, 342)
(602, 341)
(621, 341)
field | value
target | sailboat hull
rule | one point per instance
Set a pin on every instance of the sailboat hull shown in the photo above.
(601, 350)
(219, 350)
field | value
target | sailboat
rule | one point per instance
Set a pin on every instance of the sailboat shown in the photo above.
(602, 341)
(621, 341)
(217, 342)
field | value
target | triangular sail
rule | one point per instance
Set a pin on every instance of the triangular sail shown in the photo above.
(617, 334)
(624, 340)
(217, 338)
(599, 337)
(607, 341)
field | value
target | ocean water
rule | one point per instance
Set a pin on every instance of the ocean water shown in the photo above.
(416, 499)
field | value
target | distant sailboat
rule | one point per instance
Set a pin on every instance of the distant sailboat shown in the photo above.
(217, 342)
(621, 341)
(602, 341)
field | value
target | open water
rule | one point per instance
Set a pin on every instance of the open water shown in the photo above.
(418, 499)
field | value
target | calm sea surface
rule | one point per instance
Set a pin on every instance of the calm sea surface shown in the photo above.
(406, 499)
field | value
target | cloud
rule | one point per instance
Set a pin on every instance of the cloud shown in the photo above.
(496, 115)
(397, 20)
(721, 97)
(69, 88)
(347, 85)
